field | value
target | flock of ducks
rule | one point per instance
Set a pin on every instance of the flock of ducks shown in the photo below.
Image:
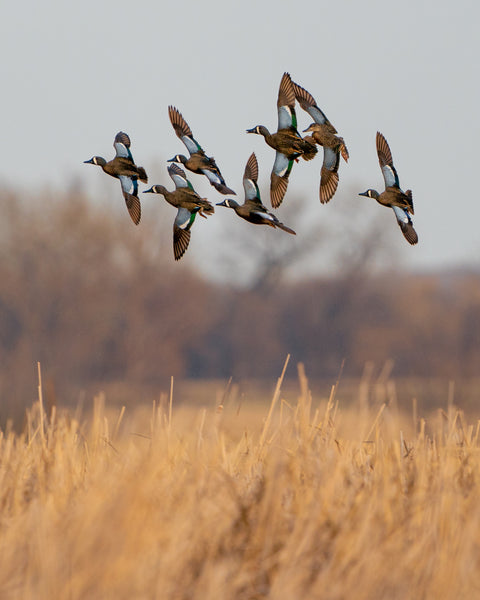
(289, 146)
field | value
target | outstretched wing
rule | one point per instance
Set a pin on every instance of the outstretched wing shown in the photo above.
(307, 102)
(216, 179)
(181, 232)
(329, 175)
(386, 162)
(250, 177)
(406, 225)
(121, 144)
(286, 104)
(130, 193)
(251, 168)
(183, 131)
(279, 178)
(178, 176)
(208, 166)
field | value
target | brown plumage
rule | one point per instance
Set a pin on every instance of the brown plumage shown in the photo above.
(198, 162)
(393, 196)
(188, 204)
(287, 142)
(122, 167)
(323, 133)
(252, 210)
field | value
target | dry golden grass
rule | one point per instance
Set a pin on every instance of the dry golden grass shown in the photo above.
(240, 502)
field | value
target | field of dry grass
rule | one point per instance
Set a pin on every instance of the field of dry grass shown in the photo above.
(240, 501)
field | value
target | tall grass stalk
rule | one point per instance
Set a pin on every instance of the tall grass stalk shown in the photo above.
(241, 501)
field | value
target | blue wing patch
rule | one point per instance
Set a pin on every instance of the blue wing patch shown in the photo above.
(285, 117)
(211, 176)
(191, 145)
(330, 159)
(402, 215)
(390, 176)
(184, 218)
(251, 189)
(317, 115)
(178, 176)
(129, 185)
(281, 164)
(122, 151)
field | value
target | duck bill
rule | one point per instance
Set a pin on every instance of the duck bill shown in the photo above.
(363, 194)
(221, 204)
(88, 162)
(252, 130)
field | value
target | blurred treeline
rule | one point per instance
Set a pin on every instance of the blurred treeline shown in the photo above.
(96, 300)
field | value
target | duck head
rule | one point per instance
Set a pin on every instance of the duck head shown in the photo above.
(178, 158)
(259, 129)
(312, 127)
(155, 189)
(96, 160)
(370, 194)
(229, 203)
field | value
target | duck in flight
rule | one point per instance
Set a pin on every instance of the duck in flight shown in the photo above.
(324, 134)
(197, 162)
(252, 210)
(393, 196)
(188, 203)
(124, 168)
(287, 142)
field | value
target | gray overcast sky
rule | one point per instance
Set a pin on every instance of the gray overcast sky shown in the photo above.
(73, 74)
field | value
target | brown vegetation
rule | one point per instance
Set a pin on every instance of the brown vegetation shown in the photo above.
(305, 500)
(96, 300)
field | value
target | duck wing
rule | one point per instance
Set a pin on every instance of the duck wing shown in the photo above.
(287, 118)
(329, 174)
(181, 231)
(121, 144)
(183, 131)
(406, 224)
(309, 105)
(178, 177)
(212, 173)
(386, 162)
(282, 168)
(250, 177)
(130, 193)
